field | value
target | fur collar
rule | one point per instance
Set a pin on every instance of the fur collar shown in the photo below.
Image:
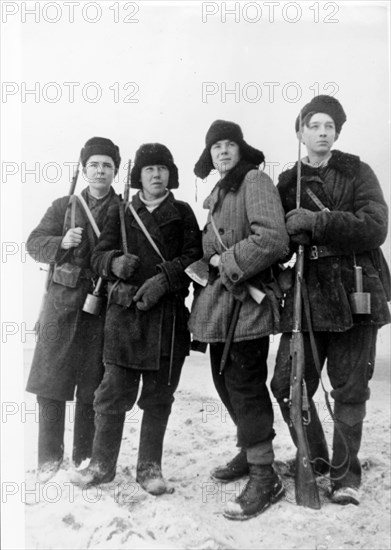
(234, 179)
(346, 164)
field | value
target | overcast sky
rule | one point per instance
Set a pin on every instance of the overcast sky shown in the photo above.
(145, 72)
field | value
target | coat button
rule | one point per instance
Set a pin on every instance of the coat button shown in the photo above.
(235, 276)
(221, 231)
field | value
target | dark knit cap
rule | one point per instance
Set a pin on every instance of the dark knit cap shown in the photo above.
(324, 104)
(100, 146)
(151, 154)
(224, 129)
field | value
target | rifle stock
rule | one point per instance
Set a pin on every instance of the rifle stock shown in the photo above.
(306, 489)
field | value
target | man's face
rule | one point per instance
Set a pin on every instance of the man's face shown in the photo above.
(154, 181)
(319, 135)
(99, 171)
(225, 155)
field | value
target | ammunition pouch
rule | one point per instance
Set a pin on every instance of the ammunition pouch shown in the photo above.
(121, 293)
(67, 274)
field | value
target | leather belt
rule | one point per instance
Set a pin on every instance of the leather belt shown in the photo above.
(314, 252)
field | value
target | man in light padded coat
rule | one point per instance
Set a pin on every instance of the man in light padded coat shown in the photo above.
(342, 222)
(244, 235)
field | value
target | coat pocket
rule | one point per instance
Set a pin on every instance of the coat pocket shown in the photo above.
(66, 274)
(382, 268)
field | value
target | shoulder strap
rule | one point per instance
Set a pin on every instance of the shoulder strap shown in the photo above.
(216, 232)
(145, 230)
(89, 215)
(316, 200)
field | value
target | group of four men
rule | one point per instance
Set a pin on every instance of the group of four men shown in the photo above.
(142, 252)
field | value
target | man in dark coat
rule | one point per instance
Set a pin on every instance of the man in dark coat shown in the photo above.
(244, 236)
(146, 336)
(342, 221)
(68, 353)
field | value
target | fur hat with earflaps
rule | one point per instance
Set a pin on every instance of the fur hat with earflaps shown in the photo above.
(224, 129)
(100, 146)
(324, 104)
(151, 154)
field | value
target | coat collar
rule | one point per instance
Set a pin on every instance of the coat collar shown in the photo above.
(348, 165)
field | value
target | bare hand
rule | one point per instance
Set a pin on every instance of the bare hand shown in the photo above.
(72, 238)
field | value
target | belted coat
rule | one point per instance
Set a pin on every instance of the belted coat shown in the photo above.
(69, 347)
(250, 221)
(354, 227)
(139, 339)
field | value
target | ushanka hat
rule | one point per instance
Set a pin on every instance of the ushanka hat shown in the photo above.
(324, 104)
(224, 129)
(151, 154)
(100, 146)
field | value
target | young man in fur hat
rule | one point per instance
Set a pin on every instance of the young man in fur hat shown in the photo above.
(342, 221)
(243, 237)
(68, 353)
(146, 336)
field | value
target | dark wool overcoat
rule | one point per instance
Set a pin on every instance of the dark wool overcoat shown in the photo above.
(138, 339)
(250, 221)
(356, 223)
(70, 342)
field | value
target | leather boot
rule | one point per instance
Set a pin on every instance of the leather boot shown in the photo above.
(149, 463)
(105, 451)
(317, 443)
(263, 488)
(83, 432)
(233, 470)
(50, 437)
(345, 473)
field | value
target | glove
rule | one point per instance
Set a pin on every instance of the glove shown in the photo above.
(301, 238)
(299, 220)
(151, 291)
(124, 266)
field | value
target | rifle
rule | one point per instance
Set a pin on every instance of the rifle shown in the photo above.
(70, 192)
(306, 489)
(49, 273)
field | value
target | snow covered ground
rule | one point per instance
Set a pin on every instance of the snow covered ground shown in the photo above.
(199, 437)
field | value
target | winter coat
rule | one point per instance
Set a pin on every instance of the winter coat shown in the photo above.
(70, 342)
(250, 220)
(138, 339)
(356, 223)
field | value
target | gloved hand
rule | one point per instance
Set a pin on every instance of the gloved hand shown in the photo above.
(301, 238)
(151, 291)
(124, 266)
(299, 220)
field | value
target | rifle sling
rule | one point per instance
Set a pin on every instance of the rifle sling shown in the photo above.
(315, 354)
(145, 230)
(89, 215)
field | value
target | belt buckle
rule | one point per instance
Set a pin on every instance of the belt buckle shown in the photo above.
(313, 253)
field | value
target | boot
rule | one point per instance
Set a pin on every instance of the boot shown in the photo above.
(345, 472)
(263, 488)
(105, 451)
(149, 463)
(83, 432)
(233, 470)
(317, 443)
(50, 437)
